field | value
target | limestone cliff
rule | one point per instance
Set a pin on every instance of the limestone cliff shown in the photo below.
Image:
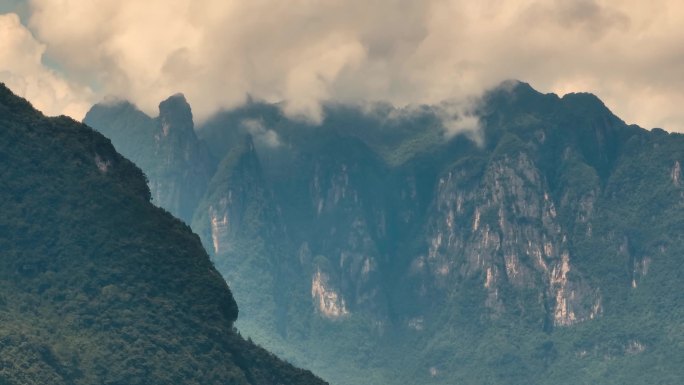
(374, 249)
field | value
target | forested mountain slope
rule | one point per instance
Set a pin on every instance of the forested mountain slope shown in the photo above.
(99, 286)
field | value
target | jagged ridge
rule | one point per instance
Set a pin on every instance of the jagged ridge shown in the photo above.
(528, 258)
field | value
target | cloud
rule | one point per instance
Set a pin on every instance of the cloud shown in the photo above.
(261, 134)
(458, 117)
(21, 69)
(303, 52)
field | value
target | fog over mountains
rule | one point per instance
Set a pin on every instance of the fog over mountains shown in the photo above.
(373, 248)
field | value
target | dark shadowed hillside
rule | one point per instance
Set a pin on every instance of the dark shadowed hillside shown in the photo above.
(97, 285)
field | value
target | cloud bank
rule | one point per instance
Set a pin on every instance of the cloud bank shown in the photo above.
(21, 69)
(303, 52)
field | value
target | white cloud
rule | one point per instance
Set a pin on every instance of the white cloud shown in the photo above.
(21, 69)
(261, 134)
(628, 52)
(457, 118)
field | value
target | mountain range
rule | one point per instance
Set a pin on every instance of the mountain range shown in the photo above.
(373, 248)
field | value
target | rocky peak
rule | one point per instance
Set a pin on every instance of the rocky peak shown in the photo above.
(162, 146)
(111, 108)
(516, 96)
(175, 116)
(585, 101)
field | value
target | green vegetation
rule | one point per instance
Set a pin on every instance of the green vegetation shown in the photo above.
(416, 232)
(98, 286)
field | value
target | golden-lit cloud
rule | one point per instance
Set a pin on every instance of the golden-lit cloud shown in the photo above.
(21, 69)
(305, 52)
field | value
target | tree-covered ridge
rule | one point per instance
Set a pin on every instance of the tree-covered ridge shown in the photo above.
(97, 285)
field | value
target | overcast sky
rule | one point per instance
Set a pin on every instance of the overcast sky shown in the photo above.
(64, 55)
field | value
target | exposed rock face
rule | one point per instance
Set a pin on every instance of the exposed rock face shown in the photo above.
(327, 300)
(220, 225)
(234, 196)
(348, 245)
(516, 238)
(676, 173)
